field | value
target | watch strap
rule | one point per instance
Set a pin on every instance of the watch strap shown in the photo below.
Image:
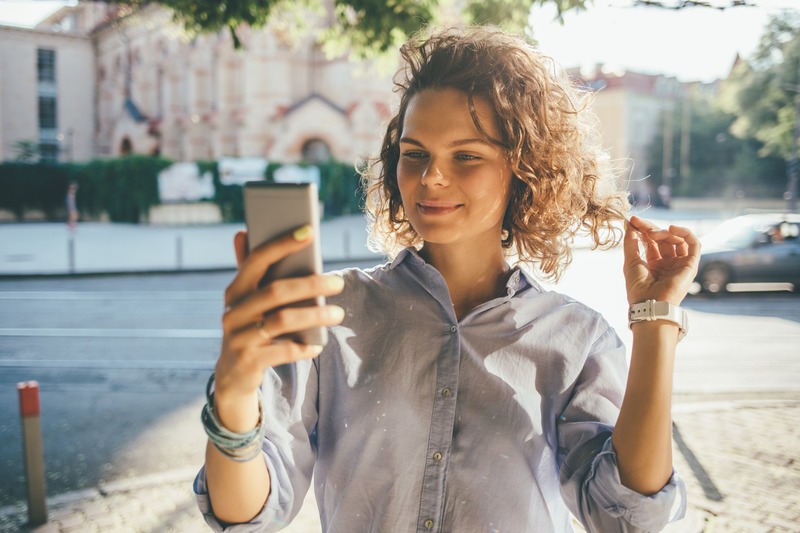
(657, 310)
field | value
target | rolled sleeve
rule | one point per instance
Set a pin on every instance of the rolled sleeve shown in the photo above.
(288, 450)
(589, 475)
(603, 504)
(277, 511)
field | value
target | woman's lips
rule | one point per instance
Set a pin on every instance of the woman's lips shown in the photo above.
(437, 208)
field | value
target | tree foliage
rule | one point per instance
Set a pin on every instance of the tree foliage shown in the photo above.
(761, 91)
(718, 163)
(372, 27)
(367, 27)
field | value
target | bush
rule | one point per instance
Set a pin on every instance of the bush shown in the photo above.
(340, 187)
(40, 186)
(127, 187)
(227, 197)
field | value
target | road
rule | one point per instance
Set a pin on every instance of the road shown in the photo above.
(122, 362)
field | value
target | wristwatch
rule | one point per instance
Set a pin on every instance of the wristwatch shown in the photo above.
(653, 310)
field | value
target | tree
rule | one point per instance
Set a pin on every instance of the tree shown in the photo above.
(369, 27)
(761, 91)
(719, 164)
(373, 27)
(765, 94)
(27, 151)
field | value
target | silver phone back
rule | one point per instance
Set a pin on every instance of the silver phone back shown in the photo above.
(274, 209)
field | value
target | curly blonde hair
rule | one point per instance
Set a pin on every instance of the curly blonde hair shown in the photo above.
(564, 183)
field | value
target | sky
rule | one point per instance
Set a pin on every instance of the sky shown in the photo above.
(692, 44)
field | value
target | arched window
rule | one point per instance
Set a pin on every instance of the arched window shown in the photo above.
(316, 151)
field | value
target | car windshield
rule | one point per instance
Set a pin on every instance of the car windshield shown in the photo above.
(734, 233)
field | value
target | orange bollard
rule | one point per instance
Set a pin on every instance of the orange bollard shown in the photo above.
(30, 411)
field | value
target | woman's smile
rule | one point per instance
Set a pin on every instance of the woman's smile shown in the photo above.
(437, 208)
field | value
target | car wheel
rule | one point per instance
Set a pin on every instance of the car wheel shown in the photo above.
(715, 278)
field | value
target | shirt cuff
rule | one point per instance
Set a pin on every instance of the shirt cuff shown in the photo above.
(650, 513)
(272, 517)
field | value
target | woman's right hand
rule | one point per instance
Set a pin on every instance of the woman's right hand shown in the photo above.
(255, 316)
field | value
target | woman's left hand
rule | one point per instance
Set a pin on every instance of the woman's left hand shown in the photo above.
(667, 268)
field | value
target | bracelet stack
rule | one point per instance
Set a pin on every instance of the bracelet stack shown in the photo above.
(240, 447)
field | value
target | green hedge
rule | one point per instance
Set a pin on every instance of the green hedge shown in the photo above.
(42, 187)
(126, 188)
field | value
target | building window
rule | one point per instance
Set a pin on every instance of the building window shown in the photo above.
(48, 151)
(47, 113)
(46, 64)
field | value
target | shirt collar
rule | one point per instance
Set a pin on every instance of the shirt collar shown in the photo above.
(521, 278)
(407, 254)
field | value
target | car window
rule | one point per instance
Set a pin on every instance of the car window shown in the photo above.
(789, 231)
(734, 233)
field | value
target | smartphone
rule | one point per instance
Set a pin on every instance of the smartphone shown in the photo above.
(273, 209)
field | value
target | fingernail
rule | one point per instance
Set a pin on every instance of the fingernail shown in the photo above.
(316, 349)
(335, 282)
(302, 233)
(335, 313)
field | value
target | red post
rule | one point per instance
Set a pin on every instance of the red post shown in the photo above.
(30, 411)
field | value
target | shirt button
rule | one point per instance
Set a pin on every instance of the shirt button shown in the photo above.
(446, 392)
(453, 329)
(437, 456)
(428, 524)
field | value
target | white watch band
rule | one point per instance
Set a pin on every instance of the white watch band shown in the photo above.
(653, 310)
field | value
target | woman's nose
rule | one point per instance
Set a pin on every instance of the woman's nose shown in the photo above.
(432, 176)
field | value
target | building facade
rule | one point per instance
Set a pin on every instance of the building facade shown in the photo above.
(133, 82)
(46, 94)
(631, 108)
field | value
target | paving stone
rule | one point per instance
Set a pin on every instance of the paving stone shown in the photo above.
(93, 508)
(740, 466)
(106, 521)
(50, 527)
(86, 527)
(71, 520)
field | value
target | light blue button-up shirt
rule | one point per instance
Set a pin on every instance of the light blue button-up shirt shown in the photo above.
(413, 421)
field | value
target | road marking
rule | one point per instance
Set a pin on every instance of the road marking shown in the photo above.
(112, 333)
(112, 295)
(105, 365)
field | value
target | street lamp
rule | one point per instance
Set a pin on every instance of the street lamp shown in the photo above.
(791, 179)
(720, 138)
(791, 182)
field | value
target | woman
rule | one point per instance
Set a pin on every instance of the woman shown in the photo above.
(455, 394)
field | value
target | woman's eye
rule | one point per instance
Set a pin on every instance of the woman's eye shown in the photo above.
(414, 155)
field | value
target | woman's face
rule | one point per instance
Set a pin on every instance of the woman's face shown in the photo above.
(453, 183)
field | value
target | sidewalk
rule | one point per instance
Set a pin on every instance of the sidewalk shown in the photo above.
(36, 249)
(738, 458)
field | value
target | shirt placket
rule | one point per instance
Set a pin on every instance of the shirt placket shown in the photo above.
(441, 433)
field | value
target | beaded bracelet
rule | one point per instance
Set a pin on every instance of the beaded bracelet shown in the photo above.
(240, 447)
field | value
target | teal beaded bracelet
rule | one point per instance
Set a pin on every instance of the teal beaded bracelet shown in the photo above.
(240, 447)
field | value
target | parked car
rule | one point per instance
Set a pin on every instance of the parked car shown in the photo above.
(759, 248)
